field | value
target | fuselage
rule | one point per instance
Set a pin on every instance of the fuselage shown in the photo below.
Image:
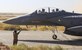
(60, 18)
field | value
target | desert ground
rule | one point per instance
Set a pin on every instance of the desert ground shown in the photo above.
(34, 38)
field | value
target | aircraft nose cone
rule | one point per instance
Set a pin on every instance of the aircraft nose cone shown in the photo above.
(16, 21)
(7, 22)
(12, 21)
(22, 20)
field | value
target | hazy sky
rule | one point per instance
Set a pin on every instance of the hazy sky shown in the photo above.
(30, 5)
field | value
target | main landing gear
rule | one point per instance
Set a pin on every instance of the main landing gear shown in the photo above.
(54, 36)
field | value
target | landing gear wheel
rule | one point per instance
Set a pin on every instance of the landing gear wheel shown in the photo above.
(54, 36)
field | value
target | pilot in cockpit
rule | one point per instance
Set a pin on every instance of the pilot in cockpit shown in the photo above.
(41, 11)
(53, 10)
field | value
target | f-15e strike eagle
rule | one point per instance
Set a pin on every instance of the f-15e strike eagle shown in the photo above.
(70, 20)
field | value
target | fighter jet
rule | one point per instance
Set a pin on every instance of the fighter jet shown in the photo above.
(53, 17)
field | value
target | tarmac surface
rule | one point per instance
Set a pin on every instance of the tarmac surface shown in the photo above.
(34, 38)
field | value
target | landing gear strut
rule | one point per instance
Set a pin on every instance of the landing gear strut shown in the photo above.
(54, 36)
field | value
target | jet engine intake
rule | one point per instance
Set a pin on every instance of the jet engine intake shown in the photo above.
(72, 32)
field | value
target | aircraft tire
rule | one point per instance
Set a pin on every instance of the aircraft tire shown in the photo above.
(54, 36)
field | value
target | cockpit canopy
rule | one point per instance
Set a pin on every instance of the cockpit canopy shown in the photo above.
(48, 10)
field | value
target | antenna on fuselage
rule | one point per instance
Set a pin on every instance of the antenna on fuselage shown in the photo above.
(57, 9)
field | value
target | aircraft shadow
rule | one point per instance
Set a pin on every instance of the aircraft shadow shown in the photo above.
(77, 42)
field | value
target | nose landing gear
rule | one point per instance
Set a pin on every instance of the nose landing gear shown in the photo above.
(54, 36)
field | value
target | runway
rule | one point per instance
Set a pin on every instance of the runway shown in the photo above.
(34, 38)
